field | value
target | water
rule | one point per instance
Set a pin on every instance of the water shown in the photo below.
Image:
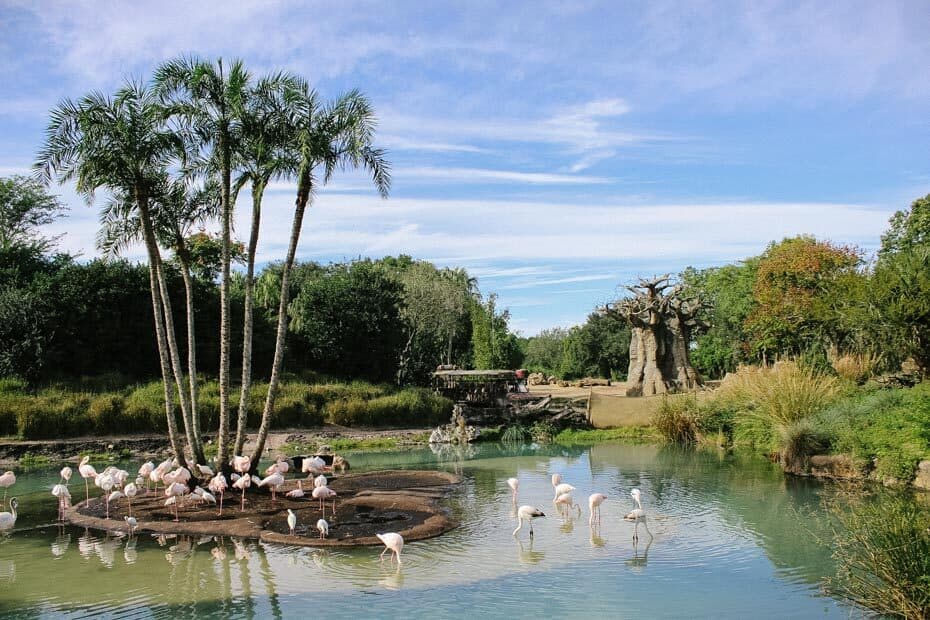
(733, 538)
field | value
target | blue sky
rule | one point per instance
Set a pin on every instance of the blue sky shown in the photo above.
(556, 150)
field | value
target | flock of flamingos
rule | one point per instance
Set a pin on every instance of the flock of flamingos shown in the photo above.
(176, 479)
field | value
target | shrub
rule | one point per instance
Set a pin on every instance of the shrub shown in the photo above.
(543, 431)
(676, 419)
(53, 414)
(107, 414)
(857, 368)
(799, 441)
(882, 550)
(515, 433)
(145, 405)
(13, 385)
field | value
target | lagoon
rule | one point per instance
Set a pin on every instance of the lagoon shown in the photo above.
(733, 538)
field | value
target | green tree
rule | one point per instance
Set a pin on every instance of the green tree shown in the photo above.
(543, 352)
(208, 100)
(24, 333)
(493, 346)
(324, 138)
(121, 144)
(900, 292)
(25, 206)
(907, 229)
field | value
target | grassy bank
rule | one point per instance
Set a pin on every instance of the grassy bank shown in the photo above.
(792, 413)
(58, 412)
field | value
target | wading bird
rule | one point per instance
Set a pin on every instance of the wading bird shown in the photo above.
(637, 515)
(243, 483)
(131, 523)
(561, 489)
(314, 465)
(65, 475)
(594, 506)
(130, 491)
(87, 472)
(291, 521)
(527, 513)
(514, 484)
(394, 543)
(320, 481)
(275, 480)
(64, 499)
(280, 465)
(566, 501)
(7, 480)
(298, 492)
(218, 485)
(322, 494)
(8, 519)
(323, 528)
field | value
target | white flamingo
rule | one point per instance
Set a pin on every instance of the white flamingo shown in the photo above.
(298, 492)
(322, 494)
(145, 469)
(87, 472)
(556, 480)
(175, 491)
(564, 487)
(314, 465)
(241, 464)
(594, 506)
(64, 499)
(106, 482)
(243, 483)
(7, 479)
(320, 481)
(280, 465)
(218, 485)
(130, 491)
(275, 480)
(637, 515)
(527, 513)
(65, 475)
(205, 471)
(8, 519)
(514, 485)
(323, 528)
(566, 500)
(291, 521)
(394, 543)
(131, 523)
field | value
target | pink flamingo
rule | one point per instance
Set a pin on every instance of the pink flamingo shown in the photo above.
(218, 485)
(322, 494)
(594, 505)
(87, 472)
(514, 484)
(394, 543)
(7, 480)
(243, 483)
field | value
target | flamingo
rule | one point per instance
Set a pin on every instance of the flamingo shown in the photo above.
(514, 484)
(64, 499)
(65, 475)
(204, 470)
(8, 519)
(298, 492)
(320, 481)
(180, 475)
(7, 480)
(131, 523)
(322, 494)
(594, 506)
(174, 491)
(280, 465)
(393, 542)
(145, 469)
(314, 465)
(243, 483)
(130, 491)
(87, 472)
(323, 527)
(528, 513)
(242, 464)
(567, 500)
(562, 488)
(556, 480)
(291, 521)
(106, 482)
(637, 515)
(218, 485)
(274, 481)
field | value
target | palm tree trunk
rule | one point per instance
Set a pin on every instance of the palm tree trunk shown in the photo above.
(152, 248)
(300, 206)
(175, 357)
(197, 446)
(258, 189)
(223, 434)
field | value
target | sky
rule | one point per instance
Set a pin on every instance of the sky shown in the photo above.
(556, 150)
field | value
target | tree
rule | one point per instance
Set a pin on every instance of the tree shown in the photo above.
(493, 346)
(907, 229)
(209, 101)
(661, 323)
(901, 294)
(325, 138)
(24, 333)
(25, 206)
(797, 282)
(122, 144)
(543, 352)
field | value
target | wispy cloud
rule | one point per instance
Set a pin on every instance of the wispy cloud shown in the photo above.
(479, 175)
(570, 280)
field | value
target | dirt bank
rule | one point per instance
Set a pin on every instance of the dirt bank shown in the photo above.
(156, 446)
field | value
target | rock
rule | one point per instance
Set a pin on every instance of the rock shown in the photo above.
(840, 466)
(922, 481)
(537, 378)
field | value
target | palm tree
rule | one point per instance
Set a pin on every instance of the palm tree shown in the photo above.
(262, 157)
(324, 139)
(209, 101)
(175, 208)
(121, 144)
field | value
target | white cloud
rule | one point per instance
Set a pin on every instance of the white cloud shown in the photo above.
(477, 175)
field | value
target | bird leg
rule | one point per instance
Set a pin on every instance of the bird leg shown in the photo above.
(176, 519)
(242, 506)
(382, 554)
(108, 506)
(519, 527)
(86, 491)
(221, 504)
(129, 499)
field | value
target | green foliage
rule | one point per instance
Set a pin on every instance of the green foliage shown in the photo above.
(677, 419)
(543, 431)
(882, 549)
(644, 434)
(515, 433)
(24, 333)
(543, 352)
(409, 407)
(798, 441)
(598, 348)
(26, 206)
(493, 346)
(901, 295)
(907, 230)
(890, 426)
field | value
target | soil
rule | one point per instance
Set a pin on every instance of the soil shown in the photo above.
(156, 446)
(407, 502)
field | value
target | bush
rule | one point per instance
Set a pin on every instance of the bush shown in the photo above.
(412, 406)
(146, 407)
(12, 385)
(106, 414)
(676, 419)
(798, 442)
(52, 415)
(882, 550)
(857, 368)
(515, 433)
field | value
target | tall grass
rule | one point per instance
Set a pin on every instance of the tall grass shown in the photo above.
(882, 550)
(678, 419)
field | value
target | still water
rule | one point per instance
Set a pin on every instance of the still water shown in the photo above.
(732, 538)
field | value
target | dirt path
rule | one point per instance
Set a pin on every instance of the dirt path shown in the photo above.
(155, 445)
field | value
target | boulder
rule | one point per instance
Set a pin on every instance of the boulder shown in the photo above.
(922, 481)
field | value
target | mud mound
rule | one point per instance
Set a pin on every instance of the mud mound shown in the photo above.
(407, 502)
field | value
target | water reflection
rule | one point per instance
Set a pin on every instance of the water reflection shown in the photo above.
(596, 539)
(528, 555)
(638, 562)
